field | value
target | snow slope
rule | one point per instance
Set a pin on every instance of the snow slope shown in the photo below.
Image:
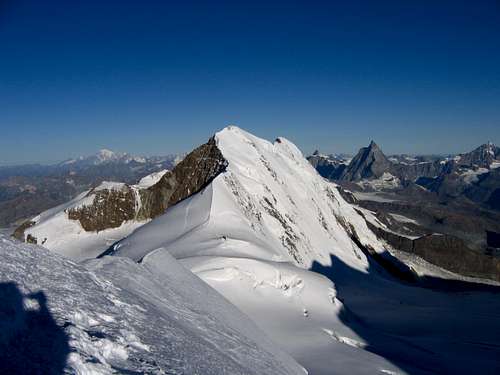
(116, 316)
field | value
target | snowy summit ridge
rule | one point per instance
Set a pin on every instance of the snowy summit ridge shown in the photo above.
(252, 234)
(271, 202)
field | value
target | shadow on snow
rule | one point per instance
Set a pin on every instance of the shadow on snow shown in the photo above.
(422, 325)
(31, 342)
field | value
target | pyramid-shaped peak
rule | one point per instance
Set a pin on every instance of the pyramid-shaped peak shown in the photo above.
(369, 162)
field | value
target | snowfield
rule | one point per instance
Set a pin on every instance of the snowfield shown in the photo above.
(116, 316)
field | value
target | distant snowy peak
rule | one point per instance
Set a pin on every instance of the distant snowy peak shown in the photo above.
(106, 156)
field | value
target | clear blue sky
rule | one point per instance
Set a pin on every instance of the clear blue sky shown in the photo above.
(156, 77)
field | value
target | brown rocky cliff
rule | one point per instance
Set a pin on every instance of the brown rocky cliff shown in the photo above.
(109, 209)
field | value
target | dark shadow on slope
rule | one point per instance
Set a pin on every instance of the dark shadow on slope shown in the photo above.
(393, 315)
(31, 342)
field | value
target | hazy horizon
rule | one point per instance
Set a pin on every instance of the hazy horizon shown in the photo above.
(306, 153)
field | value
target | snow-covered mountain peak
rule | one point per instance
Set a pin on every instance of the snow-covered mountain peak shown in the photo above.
(268, 203)
(106, 154)
(253, 233)
(241, 148)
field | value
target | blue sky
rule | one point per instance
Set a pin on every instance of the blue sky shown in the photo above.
(157, 77)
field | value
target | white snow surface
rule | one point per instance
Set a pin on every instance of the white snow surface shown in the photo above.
(471, 176)
(151, 179)
(113, 315)
(55, 231)
(386, 181)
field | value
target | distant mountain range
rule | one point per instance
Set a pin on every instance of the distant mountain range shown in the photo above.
(457, 197)
(474, 175)
(26, 190)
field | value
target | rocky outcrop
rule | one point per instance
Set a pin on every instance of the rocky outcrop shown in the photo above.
(109, 209)
(19, 232)
(191, 175)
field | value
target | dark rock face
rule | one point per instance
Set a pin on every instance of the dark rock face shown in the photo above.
(109, 209)
(493, 239)
(191, 175)
(486, 190)
(494, 200)
(448, 252)
(370, 162)
(411, 172)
